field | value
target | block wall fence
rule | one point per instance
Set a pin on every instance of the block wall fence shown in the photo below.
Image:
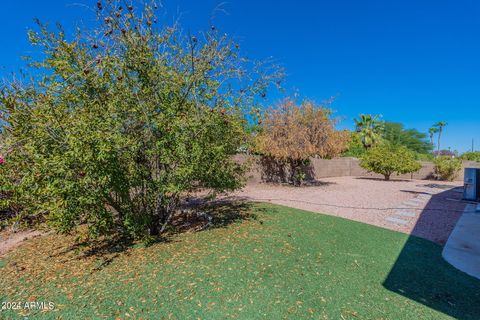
(262, 171)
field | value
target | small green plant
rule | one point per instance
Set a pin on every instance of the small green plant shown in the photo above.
(446, 168)
(299, 177)
(386, 159)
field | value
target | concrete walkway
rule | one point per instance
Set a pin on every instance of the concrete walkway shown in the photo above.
(410, 210)
(462, 249)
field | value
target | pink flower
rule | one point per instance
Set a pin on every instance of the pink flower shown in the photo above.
(2, 161)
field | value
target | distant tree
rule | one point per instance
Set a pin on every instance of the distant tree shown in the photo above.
(431, 133)
(439, 125)
(386, 159)
(370, 129)
(293, 133)
(396, 134)
(424, 156)
(355, 146)
(471, 156)
(445, 153)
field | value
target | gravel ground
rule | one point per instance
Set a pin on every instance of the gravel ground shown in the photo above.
(10, 240)
(433, 207)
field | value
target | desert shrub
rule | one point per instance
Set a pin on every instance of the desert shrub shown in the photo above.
(446, 168)
(117, 124)
(386, 159)
(471, 156)
(293, 133)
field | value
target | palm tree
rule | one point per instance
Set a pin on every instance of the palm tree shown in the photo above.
(431, 132)
(439, 125)
(370, 129)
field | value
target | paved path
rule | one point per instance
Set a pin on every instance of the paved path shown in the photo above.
(410, 210)
(462, 249)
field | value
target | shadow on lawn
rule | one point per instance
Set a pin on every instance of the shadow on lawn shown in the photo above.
(197, 214)
(221, 213)
(421, 274)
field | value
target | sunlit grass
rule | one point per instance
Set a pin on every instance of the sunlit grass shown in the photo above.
(283, 263)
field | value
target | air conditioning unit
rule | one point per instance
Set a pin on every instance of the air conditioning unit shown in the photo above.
(471, 184)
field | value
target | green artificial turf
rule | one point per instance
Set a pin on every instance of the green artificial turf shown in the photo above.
(283, 264)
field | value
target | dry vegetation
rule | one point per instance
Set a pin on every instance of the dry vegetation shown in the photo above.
(293, 133)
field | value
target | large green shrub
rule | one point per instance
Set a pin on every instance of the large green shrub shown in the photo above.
(446, 168)
(118, 124)
(386, 159)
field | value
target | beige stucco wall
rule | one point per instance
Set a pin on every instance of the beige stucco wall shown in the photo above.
(322, 168)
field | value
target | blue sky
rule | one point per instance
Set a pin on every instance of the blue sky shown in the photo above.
(413, 61)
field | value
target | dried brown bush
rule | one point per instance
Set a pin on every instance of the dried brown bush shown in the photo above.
(293, 133)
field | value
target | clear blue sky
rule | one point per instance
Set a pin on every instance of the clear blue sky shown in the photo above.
(413, 61)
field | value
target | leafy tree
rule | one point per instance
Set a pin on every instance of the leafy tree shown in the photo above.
(386, 159)
(294, 132)
(439, 125)
(446, 168)
(396, 134)
(355, 146)
(116, 125)
(370, 129)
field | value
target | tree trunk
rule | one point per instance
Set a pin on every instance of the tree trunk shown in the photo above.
(438, 147)
(154, 227)
(387, 176)
(160, 222)
(294, 165)
(163, 214)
